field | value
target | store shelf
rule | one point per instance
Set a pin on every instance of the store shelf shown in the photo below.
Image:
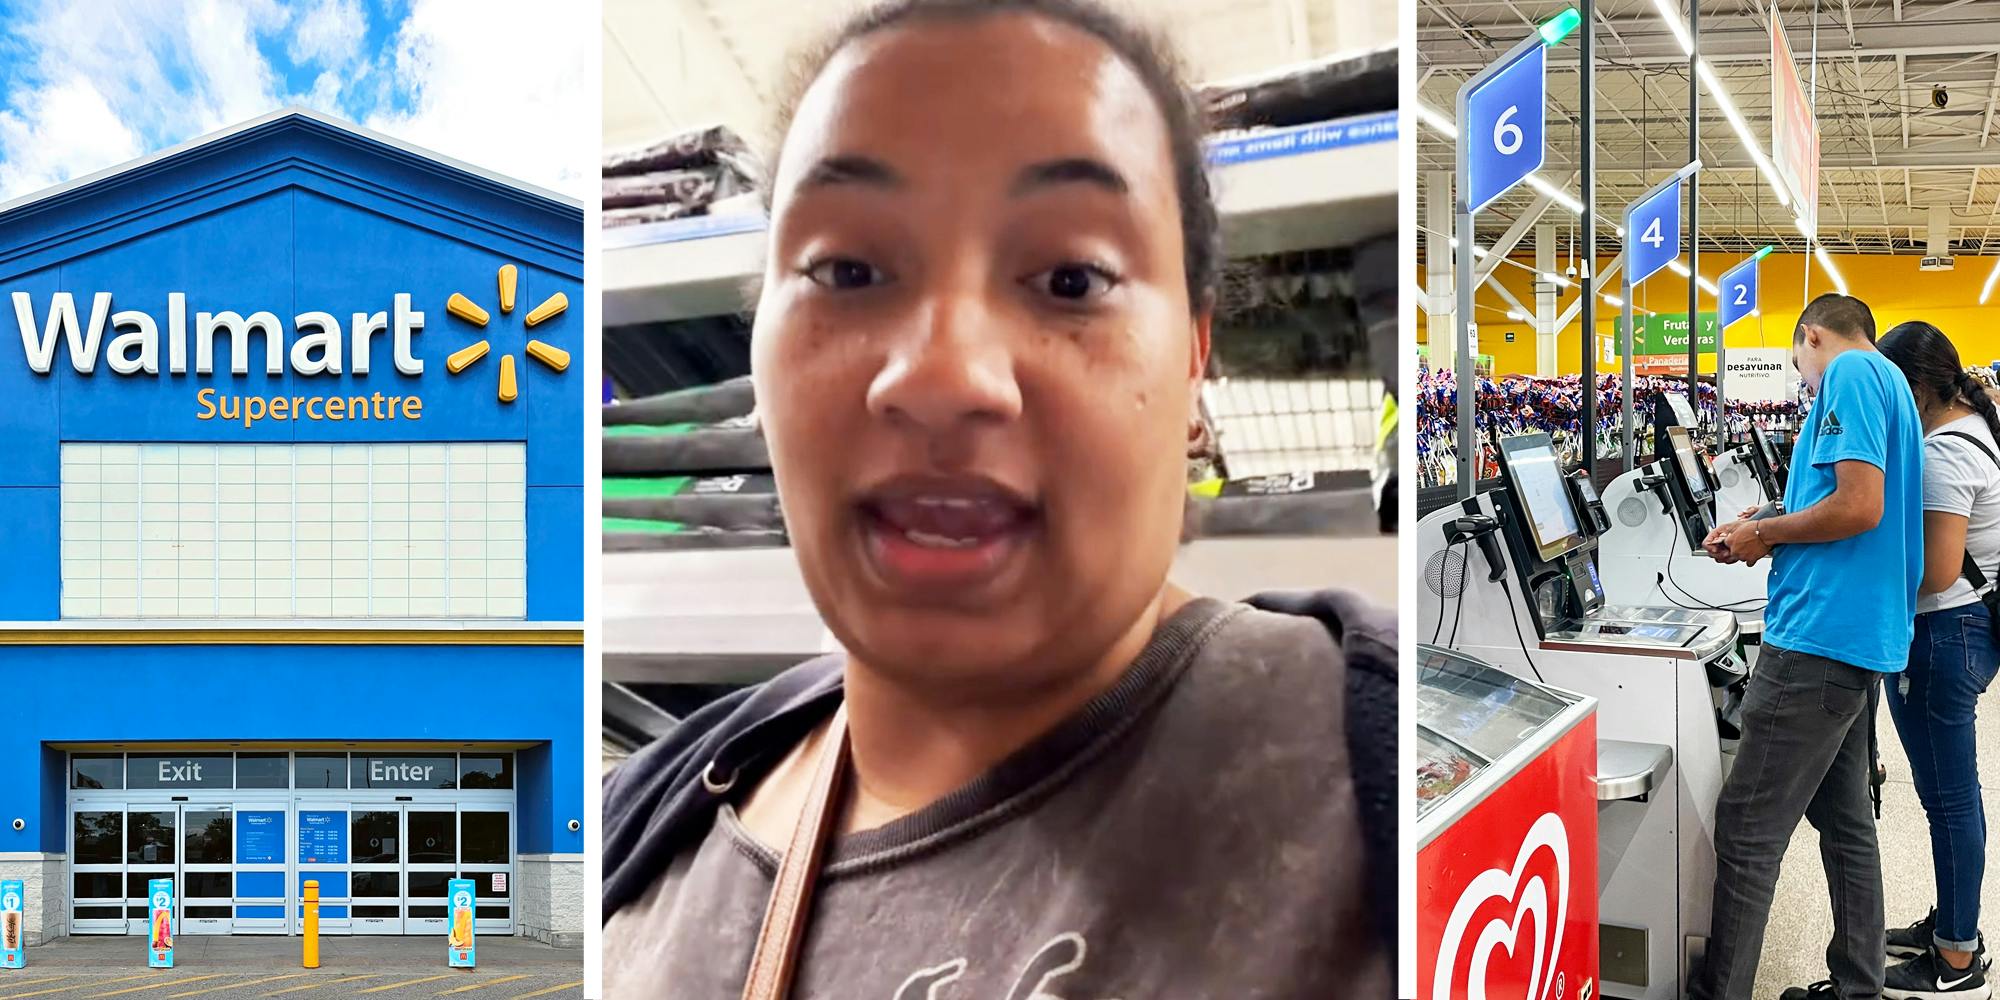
(1323, 184)
(739, 616)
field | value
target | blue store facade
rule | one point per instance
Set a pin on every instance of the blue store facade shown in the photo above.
(291, 469)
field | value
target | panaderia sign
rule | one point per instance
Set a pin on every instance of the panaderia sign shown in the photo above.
(175, 338)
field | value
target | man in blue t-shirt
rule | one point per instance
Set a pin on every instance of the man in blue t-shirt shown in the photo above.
(1846, 559)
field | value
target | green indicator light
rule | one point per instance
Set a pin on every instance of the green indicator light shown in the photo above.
(1557, 28)
(1760, 255)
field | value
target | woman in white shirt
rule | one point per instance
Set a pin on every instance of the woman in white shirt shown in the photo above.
(1952, 659)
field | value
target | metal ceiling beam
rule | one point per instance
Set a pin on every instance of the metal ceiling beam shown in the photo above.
(1649, 43)
(1512, 237)
(1952, 154)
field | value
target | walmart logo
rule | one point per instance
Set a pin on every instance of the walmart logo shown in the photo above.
(464, 308)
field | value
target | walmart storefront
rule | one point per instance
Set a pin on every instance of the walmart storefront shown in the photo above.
(293, 557)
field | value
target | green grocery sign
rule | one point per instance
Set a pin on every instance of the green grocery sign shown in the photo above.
(1663, 333)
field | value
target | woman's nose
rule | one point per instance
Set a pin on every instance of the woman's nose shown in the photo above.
(953, 365)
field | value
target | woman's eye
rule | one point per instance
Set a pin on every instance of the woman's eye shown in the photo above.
(844, 273)
(1073, 282)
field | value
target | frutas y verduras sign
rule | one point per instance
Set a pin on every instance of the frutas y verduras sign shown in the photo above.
(1664, 333)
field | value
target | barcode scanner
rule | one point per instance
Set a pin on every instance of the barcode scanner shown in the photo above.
(1481, 528)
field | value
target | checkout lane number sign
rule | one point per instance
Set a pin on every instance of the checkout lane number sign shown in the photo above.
(1530, 896)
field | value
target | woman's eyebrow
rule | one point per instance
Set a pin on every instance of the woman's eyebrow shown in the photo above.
(1071, 170)
(851, 169)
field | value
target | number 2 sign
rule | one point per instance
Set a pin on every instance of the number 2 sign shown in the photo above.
(1736, 295)
(1502, 123)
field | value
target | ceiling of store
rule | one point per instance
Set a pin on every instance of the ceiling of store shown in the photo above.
(1887, 154)
(676, 64)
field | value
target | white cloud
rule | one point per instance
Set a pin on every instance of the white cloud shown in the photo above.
(60, 132)
(501, 84)
(330, 33)
(106, 82)
(234, 80)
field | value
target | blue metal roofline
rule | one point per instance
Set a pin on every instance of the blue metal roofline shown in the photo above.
(283, 114)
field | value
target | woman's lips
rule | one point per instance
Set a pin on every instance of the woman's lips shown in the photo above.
(927, 533)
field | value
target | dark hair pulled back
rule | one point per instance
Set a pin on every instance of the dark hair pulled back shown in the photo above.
(1148, 54)
(1930, 362)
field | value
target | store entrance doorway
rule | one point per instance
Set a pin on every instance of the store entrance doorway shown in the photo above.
(191, 844)
(403, 858)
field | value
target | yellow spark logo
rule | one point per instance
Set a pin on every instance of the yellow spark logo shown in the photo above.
(464, 308)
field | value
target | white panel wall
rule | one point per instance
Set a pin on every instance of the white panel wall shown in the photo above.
(294, 531)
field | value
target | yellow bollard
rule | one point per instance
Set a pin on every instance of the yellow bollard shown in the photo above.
(312, 924)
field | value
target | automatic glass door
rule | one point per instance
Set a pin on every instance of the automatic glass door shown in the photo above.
(191, 844)
(404, 857)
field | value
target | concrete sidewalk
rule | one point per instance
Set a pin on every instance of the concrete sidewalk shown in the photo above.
(238, 968)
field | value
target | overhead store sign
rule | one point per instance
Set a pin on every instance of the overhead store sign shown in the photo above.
(1501, 125)
(1794, 131)
(1298, 139)
(1666, 333)
(1653, 232)
(1736, 293)
(314, 344)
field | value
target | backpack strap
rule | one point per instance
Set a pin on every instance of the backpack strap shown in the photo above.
(1970, 568)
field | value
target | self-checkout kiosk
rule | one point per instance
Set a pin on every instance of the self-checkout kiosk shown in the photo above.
(1512, 579)
(1660, 514)
(1748, 474)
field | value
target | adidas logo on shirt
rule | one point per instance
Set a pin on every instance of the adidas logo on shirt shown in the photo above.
(1830, 426)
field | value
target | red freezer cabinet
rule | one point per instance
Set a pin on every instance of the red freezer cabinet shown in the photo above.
(1506, 834)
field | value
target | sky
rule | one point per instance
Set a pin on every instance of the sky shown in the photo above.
(500, 84)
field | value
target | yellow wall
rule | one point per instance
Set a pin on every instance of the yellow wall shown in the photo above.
(1891, 285)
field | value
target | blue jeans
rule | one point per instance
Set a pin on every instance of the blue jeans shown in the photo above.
(1952, 660)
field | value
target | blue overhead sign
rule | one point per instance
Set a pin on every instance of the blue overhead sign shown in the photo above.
(1653, 232)
(1736, 293)
(1502, 124)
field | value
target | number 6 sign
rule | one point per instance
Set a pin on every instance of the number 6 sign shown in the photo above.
(1502, 122)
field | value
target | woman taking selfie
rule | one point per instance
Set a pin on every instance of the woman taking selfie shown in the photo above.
(1952, 660)
(1039, 768)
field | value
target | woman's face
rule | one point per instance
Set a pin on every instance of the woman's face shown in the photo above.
(974, 355)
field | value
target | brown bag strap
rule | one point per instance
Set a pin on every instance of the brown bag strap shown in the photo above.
(777, 954)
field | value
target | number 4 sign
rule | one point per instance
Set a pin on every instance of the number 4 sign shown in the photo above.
(1653, 225)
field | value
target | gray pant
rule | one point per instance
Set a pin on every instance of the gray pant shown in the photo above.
(1804, 753)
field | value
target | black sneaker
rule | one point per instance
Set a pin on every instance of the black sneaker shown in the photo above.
(1822, 990)
(1916, 939)
(1929, 977)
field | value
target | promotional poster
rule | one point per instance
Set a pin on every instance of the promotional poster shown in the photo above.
(461, 941)
(13, 917)
(160, 920)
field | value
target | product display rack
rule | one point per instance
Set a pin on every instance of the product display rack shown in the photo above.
(1279, 189)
